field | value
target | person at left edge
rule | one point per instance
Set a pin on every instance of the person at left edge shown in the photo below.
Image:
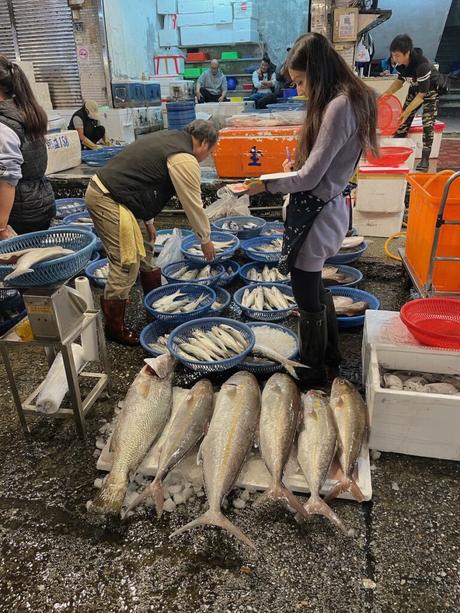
(86, 122)
(128, 192)
(26, 196)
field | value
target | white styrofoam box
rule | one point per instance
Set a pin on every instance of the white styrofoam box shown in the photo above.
(381, 84)
(64, 151)
(244, 10)
(207, 35)
(28, 69)
(245, 35)
(245, 24)
(413, 423)
(220, 111)
(166, 7)
(193, 6)
(168, 38)
(416, 134)
(120, 124)
(42, 93)
(381, 189)
(195, 19)
(401, 142)
(165, 81)
(182, 90)
(377, 224)
(223, 12)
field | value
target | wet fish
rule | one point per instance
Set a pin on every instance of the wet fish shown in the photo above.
(316, 447)
(279, 417)
(351, 242)
(273, 355)
(266, 298)
(357, 308)
(145, 412)
(27, 260)
(225, 446)
(185, 430)
(350, 414)
(102, 272)
(268, 247)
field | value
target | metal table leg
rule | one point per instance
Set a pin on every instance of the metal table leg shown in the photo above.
(14, 389)
(74, 389)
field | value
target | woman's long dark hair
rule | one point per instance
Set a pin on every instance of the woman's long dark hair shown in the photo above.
(14, 84)
(327, 76)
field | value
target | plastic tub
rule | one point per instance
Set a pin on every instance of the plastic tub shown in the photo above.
(192, 241)
(434, 321)
(389, 156)
(169, 271)
(273, 315)
(180, 114)
(348, 256)
(191, 290)
(242, 234)
(228, 277)
(357, 321)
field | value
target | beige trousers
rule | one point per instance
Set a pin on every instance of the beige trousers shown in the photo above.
(105, 214)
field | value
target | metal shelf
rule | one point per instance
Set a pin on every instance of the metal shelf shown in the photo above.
(240, 59)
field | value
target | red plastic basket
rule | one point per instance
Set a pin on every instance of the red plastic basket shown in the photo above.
(389, 156)
(434, 321)
(389, 110)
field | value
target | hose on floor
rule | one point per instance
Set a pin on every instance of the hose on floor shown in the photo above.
(386, 246)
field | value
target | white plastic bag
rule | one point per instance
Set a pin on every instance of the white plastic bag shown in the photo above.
(171, 251)
(228, 205)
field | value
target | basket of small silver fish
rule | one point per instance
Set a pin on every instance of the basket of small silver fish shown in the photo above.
(67, 206)
(223, 299)
(225, 244)
(261, 272)
(211, 344)
(273, 228)
(268, 302)
(351, 305)
(263, 248)
(179, 302)
(231, 271)
(351, 250)
(154, 337)
(346, 276)
(243, 226)
(98, 271)
(164, 235)
(275, 347)
(186, 272)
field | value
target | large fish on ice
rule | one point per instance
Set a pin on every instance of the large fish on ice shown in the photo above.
(316, 447)
(145, 412)
(225, 446)
(27, 258)
(350, 414)
(186, 428)
(279, 418)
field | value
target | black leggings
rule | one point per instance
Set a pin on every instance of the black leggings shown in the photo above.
(308, 290)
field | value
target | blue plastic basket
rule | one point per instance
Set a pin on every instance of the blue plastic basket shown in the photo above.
(240, 220)
(258, 256)
(70, 220)
(95, 255)
(99, 157)
(349, 256)
(355, 274)
(273, 228)
(150, 334)
(68, 206)
(91, 269)
(183, 232)
(7, 325)
(169, 271)
(54, 271)
(259, 266)
(224, 298)
(191, 241)
(264, 315)
(259, 367)
(227, 276)
(184, 331)
(357, 295)
(191, 290)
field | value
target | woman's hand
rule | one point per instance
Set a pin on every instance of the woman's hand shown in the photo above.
(256, 188)
(7, 233)
(288, 165)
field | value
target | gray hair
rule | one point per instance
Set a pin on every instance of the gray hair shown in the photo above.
(203, 131)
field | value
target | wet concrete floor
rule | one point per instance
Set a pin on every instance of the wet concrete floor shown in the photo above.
(55, 557)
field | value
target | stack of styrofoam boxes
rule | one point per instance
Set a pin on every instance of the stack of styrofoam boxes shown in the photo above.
(64, 151)
(41, 90)
(245, 25)
(414, 423)
(379, 204)
(169, 35)
(121, 124)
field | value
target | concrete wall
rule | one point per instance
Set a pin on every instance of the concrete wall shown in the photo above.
(132, 32)
(423, 20)
(280, 23)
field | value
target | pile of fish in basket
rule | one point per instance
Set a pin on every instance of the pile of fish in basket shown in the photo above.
(160, 431)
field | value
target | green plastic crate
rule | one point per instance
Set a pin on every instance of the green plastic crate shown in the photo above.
(192, 73)
(230, 55)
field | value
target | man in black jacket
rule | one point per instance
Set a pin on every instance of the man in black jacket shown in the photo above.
(86, 122)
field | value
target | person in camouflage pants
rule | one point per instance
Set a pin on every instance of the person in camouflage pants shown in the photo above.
(430, 112)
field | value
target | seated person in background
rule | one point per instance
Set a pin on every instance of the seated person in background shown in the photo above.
(387, 67)
(86, 122)
(264, 82)
(283, 79)
(211, 86)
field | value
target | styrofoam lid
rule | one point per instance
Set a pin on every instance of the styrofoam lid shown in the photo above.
(384, 170)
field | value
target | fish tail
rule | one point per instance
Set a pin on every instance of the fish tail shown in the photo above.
(110, 498)
(280, 492)
(291, 365)
(317, 506)
(216, 518)
(347, 484)
(155, 490)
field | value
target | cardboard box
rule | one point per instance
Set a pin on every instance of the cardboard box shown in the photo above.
(168, 38)
(166, 7)
(194, 6)
(244, 10)
(195, 19)
(206, 35)
(223, 12)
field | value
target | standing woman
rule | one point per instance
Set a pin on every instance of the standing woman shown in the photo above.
(340, 123)
(26, 197)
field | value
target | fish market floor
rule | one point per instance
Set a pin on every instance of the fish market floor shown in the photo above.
(55, 557)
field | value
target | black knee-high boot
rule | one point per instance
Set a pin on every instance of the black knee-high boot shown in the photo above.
(333, 357)
(312, 344)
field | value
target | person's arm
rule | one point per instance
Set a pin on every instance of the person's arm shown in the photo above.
(394, 87)
(223, 86)
(185, 174)
(423, 82)
(256, 79)
(199, 83)
(273, 80)
(10, 172)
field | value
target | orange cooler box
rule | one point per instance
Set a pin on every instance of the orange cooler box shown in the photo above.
(426, 192)
(251, 152)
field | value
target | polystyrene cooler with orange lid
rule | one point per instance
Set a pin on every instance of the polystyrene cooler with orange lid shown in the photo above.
(426, 193)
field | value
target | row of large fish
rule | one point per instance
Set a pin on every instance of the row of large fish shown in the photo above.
(328, 426)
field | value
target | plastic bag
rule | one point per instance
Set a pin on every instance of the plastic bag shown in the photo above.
(228, 205)
(171, 251)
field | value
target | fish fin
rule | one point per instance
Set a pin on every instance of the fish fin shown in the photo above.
(346, 485)
(317, 506)
(281, 492)
(162, 365)
(110, 498)
(213, 518)
(199, 455)
(156, 491)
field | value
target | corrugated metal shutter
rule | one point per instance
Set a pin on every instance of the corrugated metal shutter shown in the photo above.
(46, 38)
(6, 34)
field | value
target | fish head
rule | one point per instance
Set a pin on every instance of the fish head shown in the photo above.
(162, 366)
(340, 387)
(314, 401)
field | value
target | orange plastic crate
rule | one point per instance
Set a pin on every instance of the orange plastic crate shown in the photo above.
(425, 199)
(251, 152)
